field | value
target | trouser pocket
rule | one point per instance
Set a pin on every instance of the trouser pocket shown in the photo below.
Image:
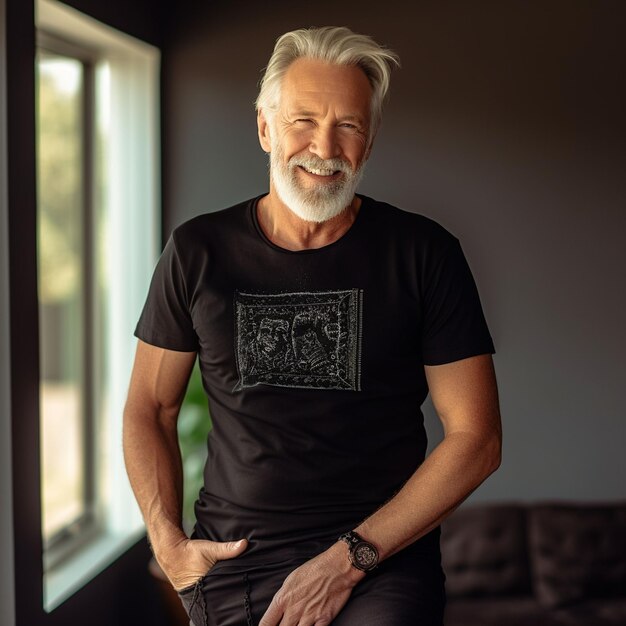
(195, 604)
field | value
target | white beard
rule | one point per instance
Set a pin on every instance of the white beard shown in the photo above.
(315, 202)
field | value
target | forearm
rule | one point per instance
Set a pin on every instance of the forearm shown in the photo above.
(460, 463)
(320, 587)
(154, 467)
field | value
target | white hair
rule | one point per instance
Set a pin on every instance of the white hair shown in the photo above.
(333, 44)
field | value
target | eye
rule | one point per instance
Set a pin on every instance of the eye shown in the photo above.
(303, 121)
(350, 127)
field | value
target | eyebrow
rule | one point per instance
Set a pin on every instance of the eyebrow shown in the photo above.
(343, 118)
(303, 112)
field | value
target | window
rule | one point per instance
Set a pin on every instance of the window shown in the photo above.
(67, 293)
(98, 238)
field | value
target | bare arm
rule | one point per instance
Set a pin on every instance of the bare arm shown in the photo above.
(465, 397)
(153, 462)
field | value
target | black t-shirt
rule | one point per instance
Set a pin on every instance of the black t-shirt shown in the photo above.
(313, 363)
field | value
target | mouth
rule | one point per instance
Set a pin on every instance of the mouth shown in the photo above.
(321, 173)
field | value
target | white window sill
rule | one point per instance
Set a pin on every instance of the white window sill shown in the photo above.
(64, 579)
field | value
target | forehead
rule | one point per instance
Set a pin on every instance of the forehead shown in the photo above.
(311, 84)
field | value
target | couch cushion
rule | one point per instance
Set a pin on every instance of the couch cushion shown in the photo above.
(603, 612)
(484, 551)
(526, 611)
(577, 551)
(498, 611)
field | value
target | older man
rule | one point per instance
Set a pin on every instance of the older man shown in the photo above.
(321, 319)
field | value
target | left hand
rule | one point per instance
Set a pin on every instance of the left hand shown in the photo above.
(314, 593)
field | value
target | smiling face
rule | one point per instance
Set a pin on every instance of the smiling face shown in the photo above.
(319, 138)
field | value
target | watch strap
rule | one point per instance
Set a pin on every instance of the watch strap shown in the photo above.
(363, 555)
(351, 538)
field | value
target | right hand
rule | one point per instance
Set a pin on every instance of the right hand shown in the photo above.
(191, 559)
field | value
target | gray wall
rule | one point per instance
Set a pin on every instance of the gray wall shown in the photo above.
(505, 124)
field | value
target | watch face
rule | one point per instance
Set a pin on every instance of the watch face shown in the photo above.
(365, 556)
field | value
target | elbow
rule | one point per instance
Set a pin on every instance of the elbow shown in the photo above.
(493, 454)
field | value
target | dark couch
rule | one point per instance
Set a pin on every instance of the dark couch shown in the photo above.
(536, 565)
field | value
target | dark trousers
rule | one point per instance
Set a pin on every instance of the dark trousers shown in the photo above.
(405, 590)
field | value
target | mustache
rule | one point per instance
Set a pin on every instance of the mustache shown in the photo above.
(314, 162)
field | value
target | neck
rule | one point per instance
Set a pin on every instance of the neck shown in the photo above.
(285, 229)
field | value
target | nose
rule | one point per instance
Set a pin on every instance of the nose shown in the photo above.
(324, 143)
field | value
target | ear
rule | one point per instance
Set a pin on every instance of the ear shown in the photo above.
(264, 131)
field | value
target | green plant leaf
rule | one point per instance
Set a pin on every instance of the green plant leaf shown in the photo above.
(194, 424)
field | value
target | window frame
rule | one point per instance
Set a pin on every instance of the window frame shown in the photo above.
(7, 535)
(85, 527)
(128, 70)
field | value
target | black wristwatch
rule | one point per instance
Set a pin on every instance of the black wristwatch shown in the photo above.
(363, 555)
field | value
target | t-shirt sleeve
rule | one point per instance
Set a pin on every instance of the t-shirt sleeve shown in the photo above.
(454, 325)
(166, 319)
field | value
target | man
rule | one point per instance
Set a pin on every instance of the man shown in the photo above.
(321, 319)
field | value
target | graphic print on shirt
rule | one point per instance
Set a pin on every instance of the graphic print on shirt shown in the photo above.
(308, 340)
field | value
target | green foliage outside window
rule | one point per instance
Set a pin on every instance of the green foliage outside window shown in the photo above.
(194, 424)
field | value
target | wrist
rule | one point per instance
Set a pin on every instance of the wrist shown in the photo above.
(341, 558)
(362, 554)
(166, 539)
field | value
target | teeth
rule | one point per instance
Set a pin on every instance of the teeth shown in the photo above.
(320, 172)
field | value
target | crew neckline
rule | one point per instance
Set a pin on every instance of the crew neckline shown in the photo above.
(252, 210)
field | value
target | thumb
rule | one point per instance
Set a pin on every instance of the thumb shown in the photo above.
(229, 549)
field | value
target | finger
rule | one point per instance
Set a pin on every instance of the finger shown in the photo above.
(273, 614)
(223, 551)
